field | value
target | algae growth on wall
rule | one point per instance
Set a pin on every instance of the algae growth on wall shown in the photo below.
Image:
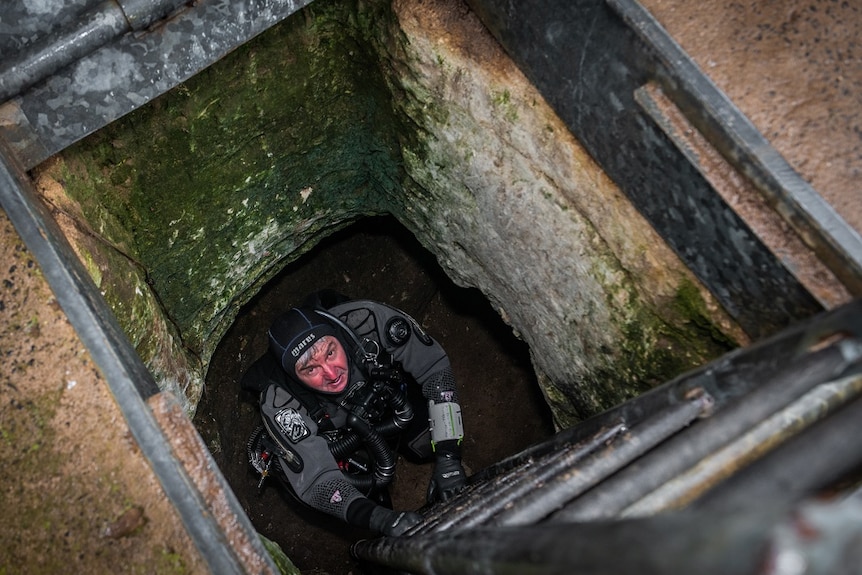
(350, 109)
(213, 187)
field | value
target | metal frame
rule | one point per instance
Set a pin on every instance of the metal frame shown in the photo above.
(713, 472)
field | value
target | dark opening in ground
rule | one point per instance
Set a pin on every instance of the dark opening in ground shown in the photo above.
(502, 406)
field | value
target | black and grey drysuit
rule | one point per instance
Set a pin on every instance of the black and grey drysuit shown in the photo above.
(382, 344)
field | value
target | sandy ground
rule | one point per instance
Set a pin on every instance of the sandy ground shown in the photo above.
(76, 494)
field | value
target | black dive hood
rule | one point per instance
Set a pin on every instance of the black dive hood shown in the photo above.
(298, 329)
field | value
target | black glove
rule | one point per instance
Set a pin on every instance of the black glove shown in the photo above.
(393, 523)
(448, 478)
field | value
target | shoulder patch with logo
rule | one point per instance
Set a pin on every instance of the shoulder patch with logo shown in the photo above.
(292, 424)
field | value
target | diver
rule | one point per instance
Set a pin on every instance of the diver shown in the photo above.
(345, 385)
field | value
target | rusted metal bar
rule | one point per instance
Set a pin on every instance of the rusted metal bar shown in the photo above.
(800, 371)
(718, 466)
(822, 537)
(753, 522)
(484, 501)
(820, 461)
(563, 481)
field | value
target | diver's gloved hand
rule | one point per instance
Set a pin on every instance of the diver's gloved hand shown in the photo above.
(448, 478)
(393, 523)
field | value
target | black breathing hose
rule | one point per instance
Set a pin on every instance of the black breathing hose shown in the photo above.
(362, 482)
(402, 415)
(384, 458)
(373, 437)
(344, 446)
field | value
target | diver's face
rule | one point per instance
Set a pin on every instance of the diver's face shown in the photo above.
(326, 370)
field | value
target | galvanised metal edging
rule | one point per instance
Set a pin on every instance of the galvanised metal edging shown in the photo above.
(89, 31)
(128, 71)
(733, 134)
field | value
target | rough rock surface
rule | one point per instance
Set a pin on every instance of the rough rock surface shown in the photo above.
(513, 205)
(411, 109)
